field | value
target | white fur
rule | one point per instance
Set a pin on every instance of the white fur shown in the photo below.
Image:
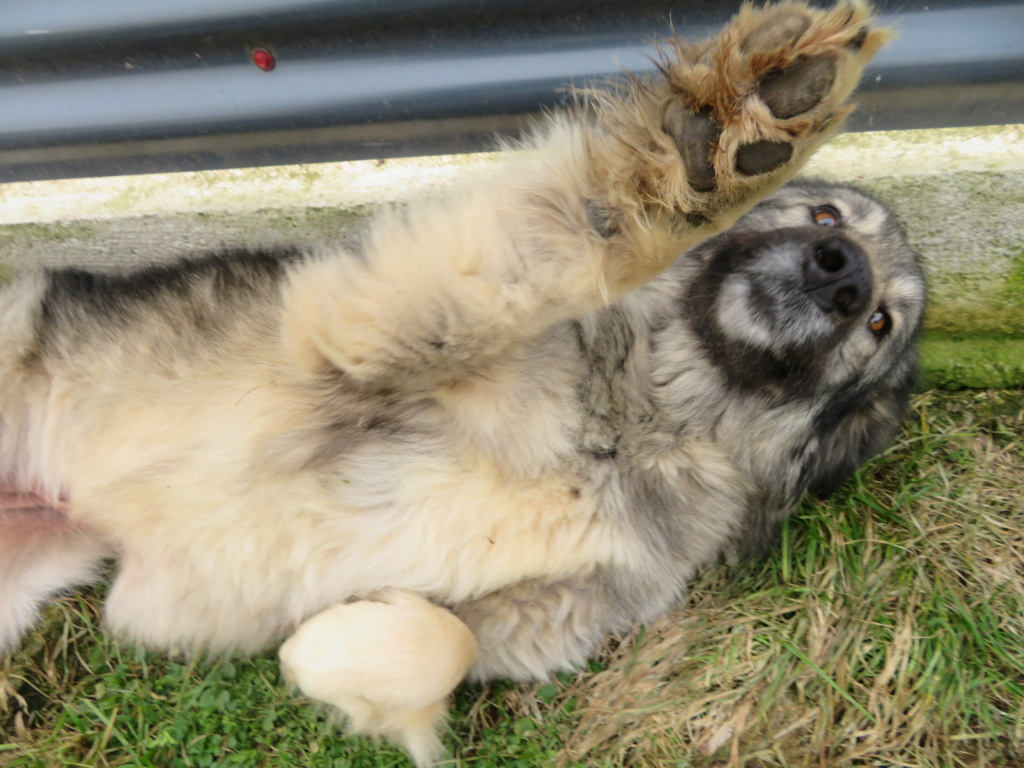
(388, 664)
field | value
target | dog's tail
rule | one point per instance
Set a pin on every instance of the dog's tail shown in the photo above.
(41, 550)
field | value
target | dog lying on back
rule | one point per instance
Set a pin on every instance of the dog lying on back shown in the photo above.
(516, 421)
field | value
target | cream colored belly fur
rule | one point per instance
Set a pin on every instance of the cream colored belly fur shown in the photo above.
(186, 511)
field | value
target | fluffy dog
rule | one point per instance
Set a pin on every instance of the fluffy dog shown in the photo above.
(514, 422)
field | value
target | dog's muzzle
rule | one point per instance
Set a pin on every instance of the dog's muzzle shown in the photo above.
(837, 277)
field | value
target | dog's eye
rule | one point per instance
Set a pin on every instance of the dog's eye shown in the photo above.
(825, 216)
(880, 323)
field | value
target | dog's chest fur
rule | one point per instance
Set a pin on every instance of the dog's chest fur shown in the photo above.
(573, 455)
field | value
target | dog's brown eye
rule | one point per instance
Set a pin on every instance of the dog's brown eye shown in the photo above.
(825, 216)
(880, 323)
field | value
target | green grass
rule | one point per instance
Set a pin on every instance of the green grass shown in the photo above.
(961, 363)
(887, 629)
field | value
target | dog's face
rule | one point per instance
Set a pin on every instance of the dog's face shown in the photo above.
(816, 286)
(813, 302)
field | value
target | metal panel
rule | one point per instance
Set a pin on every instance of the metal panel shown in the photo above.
(119, 86)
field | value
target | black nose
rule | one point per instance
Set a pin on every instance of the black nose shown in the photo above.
(836, 276)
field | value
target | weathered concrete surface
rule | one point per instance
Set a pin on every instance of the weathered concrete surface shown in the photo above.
(959, 193)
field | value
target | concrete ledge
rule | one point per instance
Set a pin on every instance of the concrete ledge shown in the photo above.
(972, 363)
(959, 193)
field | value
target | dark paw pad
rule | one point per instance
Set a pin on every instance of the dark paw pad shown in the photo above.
(762, 156)
(796, 89)
(695, 134)
(781, 29)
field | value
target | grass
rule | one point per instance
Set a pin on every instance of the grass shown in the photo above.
(887, 629)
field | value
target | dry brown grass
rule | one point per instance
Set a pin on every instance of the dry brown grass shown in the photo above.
(887, 631)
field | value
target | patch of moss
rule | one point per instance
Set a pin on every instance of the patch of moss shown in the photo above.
(949, 362)
(966, 307)
(55, 232)
(1013, 290)
(992, 320)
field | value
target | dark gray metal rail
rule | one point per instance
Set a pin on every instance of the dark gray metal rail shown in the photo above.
(122, 86)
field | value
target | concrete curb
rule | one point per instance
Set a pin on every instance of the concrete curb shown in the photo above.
(958, 192)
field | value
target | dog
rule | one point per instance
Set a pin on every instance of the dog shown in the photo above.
(515, 421)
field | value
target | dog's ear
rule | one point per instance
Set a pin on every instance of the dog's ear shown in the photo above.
(855, 431)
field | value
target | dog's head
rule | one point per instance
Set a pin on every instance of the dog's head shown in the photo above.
(812, 303)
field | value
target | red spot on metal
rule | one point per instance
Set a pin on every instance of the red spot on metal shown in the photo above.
(264, 59)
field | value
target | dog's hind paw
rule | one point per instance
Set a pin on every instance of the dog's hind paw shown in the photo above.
(387, 663)
(732, 118)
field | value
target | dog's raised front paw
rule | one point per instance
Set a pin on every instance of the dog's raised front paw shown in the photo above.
(736, 116)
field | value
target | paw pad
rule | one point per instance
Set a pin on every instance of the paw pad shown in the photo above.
(727, 99)
(798, 88)
(695, 134)
(762, 157)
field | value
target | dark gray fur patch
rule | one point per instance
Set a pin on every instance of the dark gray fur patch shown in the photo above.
(361, 425)
(796, 89)
(695, 134)
(528, 629)
(762, 157)
(192, 301)
(229, 273)
(763, 522)
(655, 512)
(605, 396)
(600, 221)
(859, 421)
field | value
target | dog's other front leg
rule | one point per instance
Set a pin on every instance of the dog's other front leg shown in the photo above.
(611, 193)
(388, 663)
